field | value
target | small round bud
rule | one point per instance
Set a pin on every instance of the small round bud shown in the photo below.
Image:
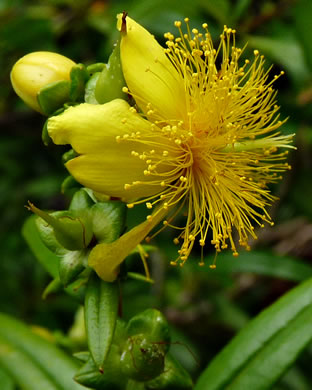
(36, 70)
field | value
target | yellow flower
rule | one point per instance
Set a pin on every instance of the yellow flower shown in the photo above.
(35, 70)
(203, 137)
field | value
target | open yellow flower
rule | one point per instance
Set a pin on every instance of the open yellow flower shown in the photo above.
(203, 136)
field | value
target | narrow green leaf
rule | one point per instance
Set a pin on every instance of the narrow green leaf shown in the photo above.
(283, 50)
(56, 365)
(240, 9)
(101, 307)
(219, 9)
(277, 335)
(23, 369)
(303, 16)
(268, 365)
(264, 263)
(6, 380)
(47, 258)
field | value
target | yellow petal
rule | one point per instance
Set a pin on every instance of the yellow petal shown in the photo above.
(105, 259)
(104, 164)
(149, 74)
(92, 128)
(109, 171)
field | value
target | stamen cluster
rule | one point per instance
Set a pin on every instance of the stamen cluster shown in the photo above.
(216, 159)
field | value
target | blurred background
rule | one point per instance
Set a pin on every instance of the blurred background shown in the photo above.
(205, 307)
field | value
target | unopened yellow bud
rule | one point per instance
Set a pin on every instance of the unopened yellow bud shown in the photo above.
(36, 70)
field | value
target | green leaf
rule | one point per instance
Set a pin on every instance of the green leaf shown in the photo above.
(47, 258)
(219, 9)
(49, 363)
(264, 263)
(23, 369)
(240, 9)
(283, 49)
(260, 354)
(6, 381)
(101, 307)
(303, 16)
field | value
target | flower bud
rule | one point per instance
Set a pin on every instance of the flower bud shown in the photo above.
(142, 359)
(36, 70)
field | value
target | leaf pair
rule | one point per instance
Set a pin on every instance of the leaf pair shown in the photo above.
(259, 355)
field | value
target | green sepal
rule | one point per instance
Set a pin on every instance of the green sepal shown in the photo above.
(142, 359)
(111, 378)
(90, 89)
(134, 385)
(73, 231)
(101, 309)
(108, 219)
(52, 96)
(46, 139)
(81, 201)
(82, 356)
(95, 68)
(174, 377)
(46, 257)
(47, 235)
(79, 76)
(151, 323)
(69, 155)
(53, 287)
(69, 186)
(71, 265)
(77, 289)
(111, 80)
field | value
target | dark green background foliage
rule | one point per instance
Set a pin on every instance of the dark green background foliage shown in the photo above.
(205, 307)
